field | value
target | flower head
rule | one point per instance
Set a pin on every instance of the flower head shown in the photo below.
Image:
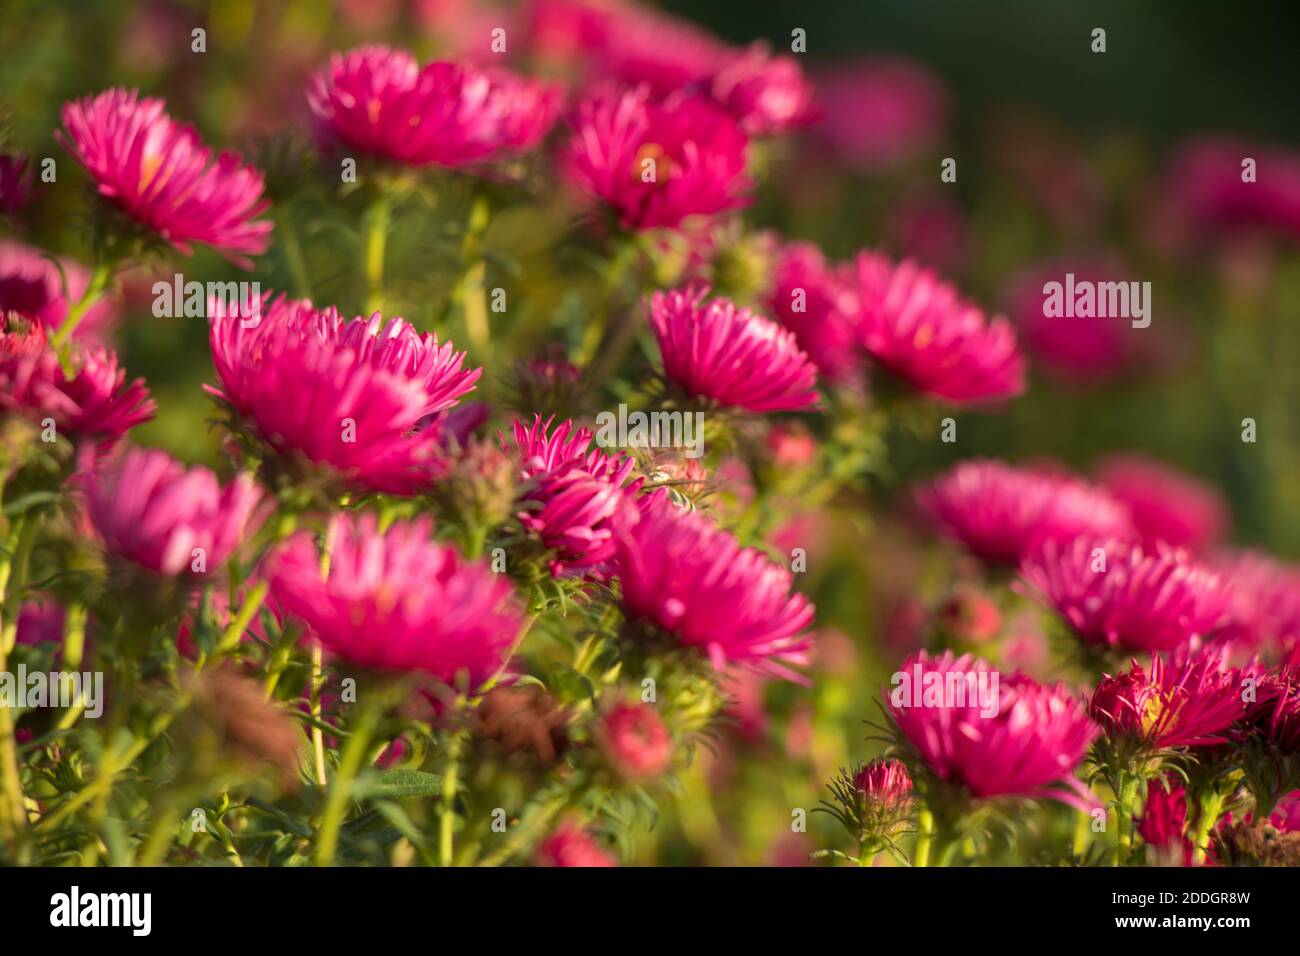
(656, 164)
(886, 782)
(94, 403)
(1208, 190)
(1002, 513)
(1265, 609)
(880, 111)
(150, 509)
(717, 350)
(1163, 823)
(1028, 747)
(635, 741)
(1166, 504)
(1120, 595)
(1188, 699)
(161, 174)
(571, 845)
(15, 182)
(381, 101)
(810, 297)
(345, 394)
(398, 601)
(682, 573)
(917, 327)
(31, 285)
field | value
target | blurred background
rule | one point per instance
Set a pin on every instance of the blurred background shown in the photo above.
(1067, 161)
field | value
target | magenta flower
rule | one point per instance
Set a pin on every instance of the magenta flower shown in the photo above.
(1189, 699)
(1163, 823)
(656, 164)
(148, 508)
(1028, 748)
(398, 601)
(1275, 714)
(884, 782)
(571, 845)
(163, 175)
(95, 403)
(1002, 513)
(737, 358)
(1265, 609)
(380, 101)
(917, 327)
(878, 112)
(682, 573)
(345, 394)
(577, 499)
(30, 285)
(635, 741)
(1119, 595)
(767, 94)
(811, 298)
(1206, 188)
(1166, 504)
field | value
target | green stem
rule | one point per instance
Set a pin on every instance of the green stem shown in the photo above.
(450, 779)
(924, 839)
(380, 215)
(336, 801)
(94, 289)
(288, 234)
(1211, 803)
(1125, 801)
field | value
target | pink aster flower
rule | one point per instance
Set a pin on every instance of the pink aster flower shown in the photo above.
(1166, 504)
(885, 782)
(163, 175)
(737, 358)
(571, 845)
(1274, 716)
(1207, 190)
(1265, 611)
(767, 94)
(635, 740)
(398, 601)
(577, 499)
(656, 164)
(1188, 699)
(1138, 597)
(381, 101)
(1002, 513)
(918, 328)
(345, 394)
(94, 403)
(811, 298)
(30, 284)
(880, 111)
(1028, 748)
(148, 508)
(682, 573)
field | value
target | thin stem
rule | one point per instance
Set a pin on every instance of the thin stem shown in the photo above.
(380, 215)
(1211, 804)
(450, 779)
(924, 838)
(336, 801)
(94, 289)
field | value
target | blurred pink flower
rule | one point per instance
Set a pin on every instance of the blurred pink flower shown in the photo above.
(1190, 698)
(928, 227)
(878, 112)
(656, 164)
(162, 174)
(30, 284)
(635, 740)
(1028, 748)
(916, 327)
(812, 298)
(150, 509)
(767, 94)
(884, 782)
(682, 573)
(380, 101)
(95, 403)
(41, 621)
(397, 600)
(1265, 611)
(1206, 186)
(1001, 513)
(1142, 598)
(713, 349)
(1274, 715)
(571, 845)
(1163, 823)
(1166, 504)
(347, 394)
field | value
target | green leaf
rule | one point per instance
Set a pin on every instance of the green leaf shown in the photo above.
(404, 783)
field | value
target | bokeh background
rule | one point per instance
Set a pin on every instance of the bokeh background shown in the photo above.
(1064, 160)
